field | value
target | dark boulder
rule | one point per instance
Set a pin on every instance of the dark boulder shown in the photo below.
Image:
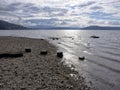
(82, 58)
(41, 39)
(27, 50)
(60, 54)
(44, 52)
(94, 37)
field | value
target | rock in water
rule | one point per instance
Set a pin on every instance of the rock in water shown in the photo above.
(82, 58)
(23, 89)
(95, 37)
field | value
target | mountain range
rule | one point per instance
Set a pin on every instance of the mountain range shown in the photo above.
(10, 26)
(101, 28)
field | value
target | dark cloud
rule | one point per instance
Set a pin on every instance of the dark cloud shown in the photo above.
(32, 9)
(96, 8)
(43, 22)
(11, 7)
(48, 22)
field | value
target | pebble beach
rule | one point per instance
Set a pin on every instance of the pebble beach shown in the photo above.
(34, 71)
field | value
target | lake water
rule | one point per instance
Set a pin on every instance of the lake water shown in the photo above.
(102, 55)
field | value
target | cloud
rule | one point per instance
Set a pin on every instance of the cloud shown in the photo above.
(61, 12)
(96, 8)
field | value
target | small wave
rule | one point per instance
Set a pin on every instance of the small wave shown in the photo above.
(109, 58)
(109, 47)
(67, 45)
(102, 65)
(112, 53)
(88, 52)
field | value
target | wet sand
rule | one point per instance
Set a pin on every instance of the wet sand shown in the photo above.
(33, 71)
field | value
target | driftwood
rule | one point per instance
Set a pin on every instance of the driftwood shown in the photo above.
(11, 55)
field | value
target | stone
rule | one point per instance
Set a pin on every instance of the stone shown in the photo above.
(82, 58)
(27, 50)
(95, 37)
(60, 54)
(43, 52)
(41, 39)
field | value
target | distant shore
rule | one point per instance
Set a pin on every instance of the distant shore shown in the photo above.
(33, 71)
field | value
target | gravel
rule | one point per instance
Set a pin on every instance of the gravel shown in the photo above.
(33, 71)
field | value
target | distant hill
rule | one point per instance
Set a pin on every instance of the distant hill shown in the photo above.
(54, 28)
(10, 26)
(76, 28)
(101, 28)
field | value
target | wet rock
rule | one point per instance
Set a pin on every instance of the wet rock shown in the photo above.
(59, 43)
(27, 50)
(62, 82)
(82, 58)
(94, 37)
(11, 55)
(60, 54)
(54, 38)
(43, 52)
(41, 39)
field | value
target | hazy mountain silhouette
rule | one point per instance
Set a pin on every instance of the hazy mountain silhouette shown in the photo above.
(10, 26)
(76, 28)
(101, 28)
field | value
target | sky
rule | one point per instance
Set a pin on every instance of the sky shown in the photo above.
(67, 13)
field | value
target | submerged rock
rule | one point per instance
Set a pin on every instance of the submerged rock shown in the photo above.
(94, 37)
(54, 38)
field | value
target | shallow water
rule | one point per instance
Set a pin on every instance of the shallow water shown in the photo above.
(102, 63)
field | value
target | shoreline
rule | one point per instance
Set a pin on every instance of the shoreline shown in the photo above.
(33, 71)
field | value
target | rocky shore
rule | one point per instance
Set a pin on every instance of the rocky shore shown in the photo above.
(32, 71)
